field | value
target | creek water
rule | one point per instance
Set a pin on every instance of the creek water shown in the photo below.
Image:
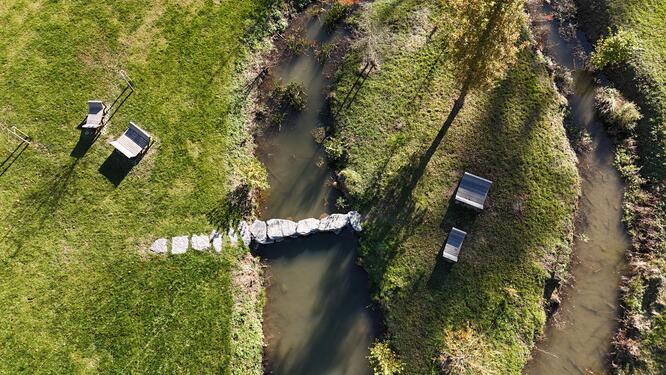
(318, 317)
(579, 339)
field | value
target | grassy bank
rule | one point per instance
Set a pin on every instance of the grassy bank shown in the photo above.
(642, 77)
(641, 158)
(485, 311)
(79, 292)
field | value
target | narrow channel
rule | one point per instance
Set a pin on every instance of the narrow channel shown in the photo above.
(578, 340)
(318, 317)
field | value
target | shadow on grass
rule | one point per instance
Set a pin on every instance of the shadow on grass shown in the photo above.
(13, 157)
(32, 212)
(86, 140)
(116, 167)
(462, 218)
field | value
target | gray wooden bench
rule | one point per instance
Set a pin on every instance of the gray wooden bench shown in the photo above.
(453, 245)
(134, 142)
(473, 191)
(97, 115)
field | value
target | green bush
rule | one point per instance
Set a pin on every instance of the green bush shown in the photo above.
(297, 44)
(334, 15)
(383, 360)
(613, 49)
(290, 97)
(619, 114)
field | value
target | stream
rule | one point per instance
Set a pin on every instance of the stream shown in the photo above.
(578, 339)
(318, 317)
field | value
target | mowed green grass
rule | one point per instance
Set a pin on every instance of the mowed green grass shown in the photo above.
(79, 292)
(486, 309)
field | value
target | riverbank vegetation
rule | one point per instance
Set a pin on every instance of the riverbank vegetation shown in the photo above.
(634, 33)
(78, 295)
(482, 314)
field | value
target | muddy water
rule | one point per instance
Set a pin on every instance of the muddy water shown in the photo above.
(317, 318)
(578, 341)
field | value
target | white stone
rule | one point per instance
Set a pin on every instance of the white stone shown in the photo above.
(200, 242)
(274, 230)
(179, 244)
(216, 238)
(233, 237)
(160, 246)
(258, 230)
(245, 234)
(288, 228)
(355, 221)
(307, 226)
(334, 223)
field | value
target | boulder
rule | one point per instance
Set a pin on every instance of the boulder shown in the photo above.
(160, 246)
(179, 244)
(307, 226)
(200, 242)
(288, 228)
(258, 230)
(244, 232)
(273, 230)
(355, 221)
(334, 223)
(216, 239)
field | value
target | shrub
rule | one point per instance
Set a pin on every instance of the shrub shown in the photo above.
(620, 115)
(297, 44)
(383, 360)
(325, 51)
(613, 49)
(335, 149)
(334, 15)
(287, 99)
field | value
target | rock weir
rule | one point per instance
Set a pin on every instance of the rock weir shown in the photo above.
(259, 232)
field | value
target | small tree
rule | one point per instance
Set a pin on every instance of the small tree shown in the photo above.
(483, 46)
(383, 360)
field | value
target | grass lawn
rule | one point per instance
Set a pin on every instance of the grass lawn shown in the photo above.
(486, 310)
(79, 292)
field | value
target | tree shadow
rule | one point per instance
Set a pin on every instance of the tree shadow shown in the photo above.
(32, 211)
(117, 166)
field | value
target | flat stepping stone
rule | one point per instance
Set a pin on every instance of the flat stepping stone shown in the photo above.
(179, 244)
(334, 223)
(233, 237)
(160, 246)
(274, 230)
(216, 239)
(258, 229)
(244, 232)
(200, 242)
(355, 219)
(306, 227)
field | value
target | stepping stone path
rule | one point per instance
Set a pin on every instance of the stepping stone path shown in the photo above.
(179, 244)
(200, 242)
(260, 232)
